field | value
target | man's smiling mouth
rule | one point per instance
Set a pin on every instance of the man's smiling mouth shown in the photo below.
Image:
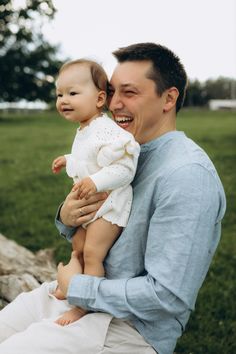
(123, 121)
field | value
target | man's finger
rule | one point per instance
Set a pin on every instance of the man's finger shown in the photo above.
(60, 265)
(93, 199)
(85, 218)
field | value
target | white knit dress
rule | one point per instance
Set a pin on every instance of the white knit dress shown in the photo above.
(108, 155)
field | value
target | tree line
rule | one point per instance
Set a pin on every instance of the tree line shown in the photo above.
(199, 93)
(28, 63)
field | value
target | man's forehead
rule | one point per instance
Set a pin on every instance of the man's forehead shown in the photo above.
(130, 72)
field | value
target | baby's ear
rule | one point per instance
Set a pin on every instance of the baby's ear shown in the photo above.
(101, 99)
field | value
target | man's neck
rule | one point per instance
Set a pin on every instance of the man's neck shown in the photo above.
(167, 124)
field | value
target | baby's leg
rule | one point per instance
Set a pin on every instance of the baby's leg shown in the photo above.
(78, 242)
(76, 313)
(100, 236)
(78, 246)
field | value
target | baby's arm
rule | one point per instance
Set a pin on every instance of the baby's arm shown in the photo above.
(113, 174)
(117, 158)
(58, 164)
(86, 188)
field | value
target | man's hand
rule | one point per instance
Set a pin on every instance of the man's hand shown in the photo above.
(65, 273)
(75, 212)
(86, 187)
(58, 164)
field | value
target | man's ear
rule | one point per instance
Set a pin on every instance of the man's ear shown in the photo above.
(171, 96)
(101, 99)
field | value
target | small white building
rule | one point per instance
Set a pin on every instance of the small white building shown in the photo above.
(215, 105)
(23, 105)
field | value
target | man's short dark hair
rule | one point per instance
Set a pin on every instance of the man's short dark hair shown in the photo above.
(167, 70)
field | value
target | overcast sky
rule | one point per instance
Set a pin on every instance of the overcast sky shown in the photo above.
(201, 32)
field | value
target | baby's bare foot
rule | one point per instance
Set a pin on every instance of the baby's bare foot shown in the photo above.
(71, 316)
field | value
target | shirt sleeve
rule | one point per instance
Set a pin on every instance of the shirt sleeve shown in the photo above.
(65, 231)
(183, 234)
(118, 162)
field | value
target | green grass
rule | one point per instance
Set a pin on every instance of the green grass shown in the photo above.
(212, 327)
(30, 194)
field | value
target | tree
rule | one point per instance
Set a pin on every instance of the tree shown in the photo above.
(195, 95)
(28, 62)
(220, 88)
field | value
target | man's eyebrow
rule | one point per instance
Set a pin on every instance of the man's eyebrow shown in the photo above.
(127, 85)
(110, 87)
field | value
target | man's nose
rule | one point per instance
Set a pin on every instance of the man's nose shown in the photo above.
(115, 102)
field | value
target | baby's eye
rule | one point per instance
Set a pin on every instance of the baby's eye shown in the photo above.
(59, 95)
(73, 93)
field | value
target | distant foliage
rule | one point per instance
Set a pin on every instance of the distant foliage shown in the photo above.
(28, 62)
(199, 93)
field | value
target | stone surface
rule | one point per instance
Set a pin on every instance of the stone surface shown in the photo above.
(22, 270)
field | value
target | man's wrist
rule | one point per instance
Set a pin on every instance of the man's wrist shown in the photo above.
(64, 230)
(82, 290)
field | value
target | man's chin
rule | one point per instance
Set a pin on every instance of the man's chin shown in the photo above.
(126, 126)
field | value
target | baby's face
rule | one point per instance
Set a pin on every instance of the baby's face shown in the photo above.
(77, 96)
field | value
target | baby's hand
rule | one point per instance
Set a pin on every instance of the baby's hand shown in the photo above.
(58, 164)
(86, 188)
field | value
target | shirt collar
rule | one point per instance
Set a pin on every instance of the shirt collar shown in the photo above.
(156, 143)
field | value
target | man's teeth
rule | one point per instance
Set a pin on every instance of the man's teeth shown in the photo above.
(123, 119)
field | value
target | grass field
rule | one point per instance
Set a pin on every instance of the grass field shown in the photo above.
(30, 194)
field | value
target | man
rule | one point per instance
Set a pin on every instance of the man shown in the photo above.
(156, 267)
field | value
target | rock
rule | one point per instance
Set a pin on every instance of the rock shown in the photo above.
(11, 285)
(22, 270)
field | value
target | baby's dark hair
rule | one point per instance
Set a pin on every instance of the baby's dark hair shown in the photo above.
(167, 70)
(98, 74)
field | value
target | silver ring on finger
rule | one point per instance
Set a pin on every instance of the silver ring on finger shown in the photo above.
(81, 212)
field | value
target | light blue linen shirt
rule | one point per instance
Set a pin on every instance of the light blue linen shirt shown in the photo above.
(156, 267)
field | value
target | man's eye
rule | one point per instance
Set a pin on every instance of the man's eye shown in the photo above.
(129, 93)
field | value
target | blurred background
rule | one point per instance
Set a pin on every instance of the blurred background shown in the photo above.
(36, 37)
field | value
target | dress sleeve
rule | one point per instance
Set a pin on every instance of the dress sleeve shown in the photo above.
(118, 162)
(71, 164)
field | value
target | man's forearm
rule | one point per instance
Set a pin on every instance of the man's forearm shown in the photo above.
(123, 298)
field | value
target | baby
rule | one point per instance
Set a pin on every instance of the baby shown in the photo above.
(103, 158)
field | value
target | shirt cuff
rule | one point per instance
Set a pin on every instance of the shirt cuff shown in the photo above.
(83, 289)
(65, 231)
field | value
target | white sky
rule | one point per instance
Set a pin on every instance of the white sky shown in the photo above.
(201, 32)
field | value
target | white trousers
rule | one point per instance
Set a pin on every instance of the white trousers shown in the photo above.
(27, 326)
